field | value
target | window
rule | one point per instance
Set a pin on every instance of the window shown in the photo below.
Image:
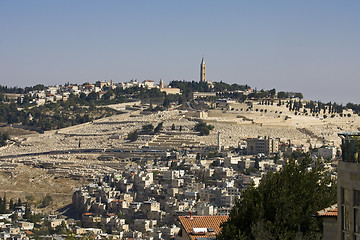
(345, 218)
(356, 220)
(356, 198)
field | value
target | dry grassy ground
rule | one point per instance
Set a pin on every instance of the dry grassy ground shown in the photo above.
(14, 131)
(26, 180)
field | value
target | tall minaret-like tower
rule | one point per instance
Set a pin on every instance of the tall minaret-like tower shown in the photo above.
(203, 71)
(161, 83)
(219, 143)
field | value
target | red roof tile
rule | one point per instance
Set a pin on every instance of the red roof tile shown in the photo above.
(331, 211)
(214, 222)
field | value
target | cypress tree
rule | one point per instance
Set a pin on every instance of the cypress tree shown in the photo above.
(27, 214)
(1, 205)
(11, 205)
(4, 204)
(19, 203)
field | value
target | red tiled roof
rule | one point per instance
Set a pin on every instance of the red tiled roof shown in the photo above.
(214, 222)
(118, 200)
(331, 211)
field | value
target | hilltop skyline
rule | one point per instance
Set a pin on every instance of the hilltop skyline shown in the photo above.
(306, 46)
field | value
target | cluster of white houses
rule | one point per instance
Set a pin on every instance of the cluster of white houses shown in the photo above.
(59, 92)
(160, 199)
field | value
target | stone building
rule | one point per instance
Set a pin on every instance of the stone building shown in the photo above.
(348, 183)
(265, 145)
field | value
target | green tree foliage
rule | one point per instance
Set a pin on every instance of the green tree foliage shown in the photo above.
(46, 201)
(147, 129)
(32, 217)
(203, 128)
(38, 87)
(3, 205)
(19, 202)
(54, 115)
(133, 136)
(262, 94)
(298, 95)
(30, 198)
(158, 128)
(282, 95)
(27, 213)
(3, 138)
(93, 96)
(11, 205)
(5, 89)
(354, 107)
(188, 87)
(283, 205)
(166, 102)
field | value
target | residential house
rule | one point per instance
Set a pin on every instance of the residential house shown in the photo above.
(200, 227)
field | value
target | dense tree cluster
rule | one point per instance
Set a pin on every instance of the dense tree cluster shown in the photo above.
(53, 115)
(6, 207)
(283, 206)
(3, 207)
(3, 138)
(147, 129)
(227, 90)
(354, 107)
(224, 87)
(262, 94)
(5, 89)
(317, 107)
(189, 87)
(313, 107)
(203, 128)
(285, 95)
(158, 128)
(133, 136)
(17, 90)
(294, 105)
(46, 201)
(77, 109)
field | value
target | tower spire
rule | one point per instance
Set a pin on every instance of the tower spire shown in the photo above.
(203, 70)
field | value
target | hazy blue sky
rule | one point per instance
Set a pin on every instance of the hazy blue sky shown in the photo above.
(307, 46)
